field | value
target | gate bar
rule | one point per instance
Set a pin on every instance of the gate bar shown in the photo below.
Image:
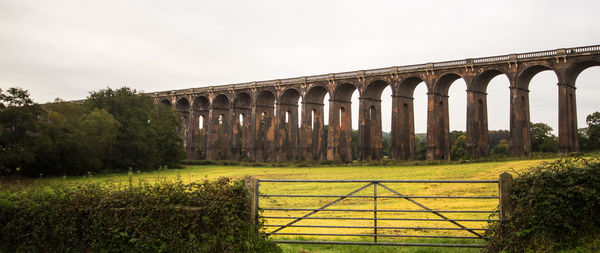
(381, 210)
(375, 211)
(380, 235)
(356, 218)
(330, 226)
(391, 197)
(388, 244)
(371, 181)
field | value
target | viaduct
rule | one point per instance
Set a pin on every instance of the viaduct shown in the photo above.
(258, 121)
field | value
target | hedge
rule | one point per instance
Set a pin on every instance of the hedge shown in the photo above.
(555, 207)
(161, 217)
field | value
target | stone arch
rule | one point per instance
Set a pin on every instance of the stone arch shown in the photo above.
(370, 137)
(199, 126)
(576, 106)
(183, 104)
(339, 138)
(287, 127)
(221, 101)
(166, 101)
(242, 100)
(201, 103)
(312, 135)
(403, 141)
(287, 124)
(241, 130)
(375, 88)
(577, 67)
(289, 96)
(265, 126)
(482, 80)
(219, 129)
(344, 91)
(524, 76)
(406, 86)
(183, 112)
(265, 98)
(442, 84)
(315, 94)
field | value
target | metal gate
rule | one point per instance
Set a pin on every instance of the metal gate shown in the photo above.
(337, 203)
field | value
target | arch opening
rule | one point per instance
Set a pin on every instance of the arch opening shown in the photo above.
(201, 103)
(166, 102)
(543, 107)
(497, 104)
(586, 99)
(315, 115)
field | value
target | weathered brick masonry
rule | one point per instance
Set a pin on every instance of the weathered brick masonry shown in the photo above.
(258, 120)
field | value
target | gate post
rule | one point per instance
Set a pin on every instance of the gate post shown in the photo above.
(251, 185)
(505, 190)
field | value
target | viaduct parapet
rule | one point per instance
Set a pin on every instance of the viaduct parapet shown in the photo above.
(258, 120)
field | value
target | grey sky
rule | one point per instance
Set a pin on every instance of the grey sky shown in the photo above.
(67, 48)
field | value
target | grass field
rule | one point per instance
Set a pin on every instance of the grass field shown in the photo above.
(468, 171)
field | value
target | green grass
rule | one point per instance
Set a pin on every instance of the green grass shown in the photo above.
(467, 171)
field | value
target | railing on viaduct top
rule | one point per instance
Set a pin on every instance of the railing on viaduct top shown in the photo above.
(397, 69)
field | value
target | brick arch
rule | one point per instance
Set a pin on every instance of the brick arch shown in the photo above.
(344, 91)
(406, 86)
(183, 104)
(201, 103)
(166, 101)
(579, 66)
(221, 101)
(289, 96)
(375, 88)
(315, 94)
(442, 84)
(482, 80)
(526, 74)
(265, 98)
(242, 99)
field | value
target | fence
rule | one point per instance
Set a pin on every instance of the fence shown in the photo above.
(282, 214)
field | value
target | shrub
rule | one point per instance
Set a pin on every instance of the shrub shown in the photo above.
(162, 217)
(555, 207)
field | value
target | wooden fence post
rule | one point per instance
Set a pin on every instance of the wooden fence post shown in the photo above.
(251, 184)
(505, 190)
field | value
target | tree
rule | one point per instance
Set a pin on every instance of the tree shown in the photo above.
(147, 133)
(100, 130)
(583, 138)
(354, 144)
(458, 150)
(420, 147)
(542, 139)
(19, 127)
(386, 139)
(495, 136)
(593, 131)
(502, 148)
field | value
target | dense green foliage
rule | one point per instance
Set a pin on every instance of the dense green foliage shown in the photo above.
(542, 139)
(589, 137)
(555, 207)
(19, 118)
(113, 130)
(162, 217)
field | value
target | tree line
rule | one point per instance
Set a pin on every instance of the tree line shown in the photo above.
(111, 130)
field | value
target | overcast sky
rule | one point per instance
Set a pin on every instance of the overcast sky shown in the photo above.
(67, 48)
